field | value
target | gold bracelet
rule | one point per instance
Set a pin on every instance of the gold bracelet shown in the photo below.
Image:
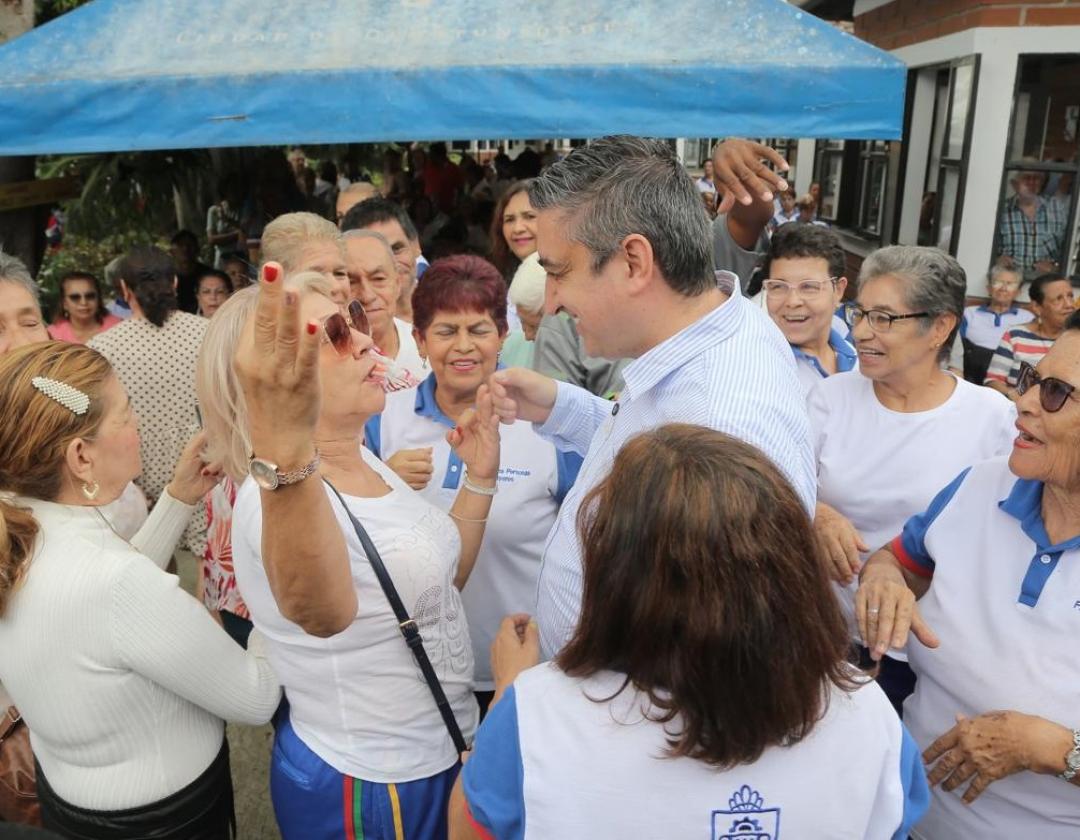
(464, 519)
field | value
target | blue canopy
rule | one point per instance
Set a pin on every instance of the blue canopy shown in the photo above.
(119, 75)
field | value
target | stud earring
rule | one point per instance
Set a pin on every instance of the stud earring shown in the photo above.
(90, 490)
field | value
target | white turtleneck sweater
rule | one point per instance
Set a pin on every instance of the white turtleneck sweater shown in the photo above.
(123, 678)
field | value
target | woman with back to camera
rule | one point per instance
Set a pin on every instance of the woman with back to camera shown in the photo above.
(153, 354)
(705, 691)
(363, 749)
(80, 311)
(121, 676)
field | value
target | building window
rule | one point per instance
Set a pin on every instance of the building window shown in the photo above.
(828, 172)
(873, 174)
(1036, 228)
(946, 168)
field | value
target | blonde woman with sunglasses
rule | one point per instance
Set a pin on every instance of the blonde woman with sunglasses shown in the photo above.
(362, 749)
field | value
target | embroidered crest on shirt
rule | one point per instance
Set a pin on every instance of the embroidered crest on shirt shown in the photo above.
(747, 818)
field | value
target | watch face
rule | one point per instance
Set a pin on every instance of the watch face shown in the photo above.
(264, 473)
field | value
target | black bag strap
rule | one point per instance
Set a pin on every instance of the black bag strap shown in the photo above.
(410, 630)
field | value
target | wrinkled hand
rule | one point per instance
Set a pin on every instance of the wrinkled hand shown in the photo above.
(476, 437)
(886, 611)
(277, 365)
(193, 477)
(839, 542)
(413, 466)
(982, 750)
(515, 649)
(741, 175)
(522, 394)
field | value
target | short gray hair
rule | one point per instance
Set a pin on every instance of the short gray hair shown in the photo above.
(621, 185)
(13, 270)
(997, 270)
(933, 281)
(365, 233)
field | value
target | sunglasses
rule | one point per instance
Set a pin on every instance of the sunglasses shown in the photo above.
(1052, 392)
(339, 329)
(79, 297)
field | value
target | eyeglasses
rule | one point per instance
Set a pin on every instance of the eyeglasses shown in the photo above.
(1052, 392)
(338, 329)
(879, 320)
(79, 297)
(807, 289)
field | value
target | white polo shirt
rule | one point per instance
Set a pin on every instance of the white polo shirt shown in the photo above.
(533, 479)
(983, 326)
(550, 761)
(1005, 604)
(877, 466)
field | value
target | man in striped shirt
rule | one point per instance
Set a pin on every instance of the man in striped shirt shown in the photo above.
(626, 243)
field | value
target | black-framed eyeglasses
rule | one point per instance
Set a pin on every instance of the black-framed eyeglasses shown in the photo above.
(1053, 392)
(79, 297)
(338, 328)
(879, 320)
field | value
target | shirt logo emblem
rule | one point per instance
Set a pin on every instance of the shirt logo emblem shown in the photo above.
(747, 818)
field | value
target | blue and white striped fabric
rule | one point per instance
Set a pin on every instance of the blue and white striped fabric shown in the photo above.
(731, 371)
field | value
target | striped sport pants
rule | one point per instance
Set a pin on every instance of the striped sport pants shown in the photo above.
(313, 801)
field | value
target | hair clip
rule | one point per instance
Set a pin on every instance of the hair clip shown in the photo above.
(70, 398)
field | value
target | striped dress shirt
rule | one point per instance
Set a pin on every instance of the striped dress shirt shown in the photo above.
(731, 371)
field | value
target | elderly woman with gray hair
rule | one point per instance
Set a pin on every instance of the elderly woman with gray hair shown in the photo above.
(888, 437)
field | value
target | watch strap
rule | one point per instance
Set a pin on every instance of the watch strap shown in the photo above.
(298, 475)
(1072, 759)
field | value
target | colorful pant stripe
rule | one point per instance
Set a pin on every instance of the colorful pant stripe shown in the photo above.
(313, 801)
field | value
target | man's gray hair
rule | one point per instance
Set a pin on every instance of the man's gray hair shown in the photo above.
(621, 185)
(364, 233)
(997, 270)
(933, 281)
(13, 270)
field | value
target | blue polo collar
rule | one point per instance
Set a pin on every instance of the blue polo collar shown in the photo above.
(1024, 503)
(426, 405)
(846, 357)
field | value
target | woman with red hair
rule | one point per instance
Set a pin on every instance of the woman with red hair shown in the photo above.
(459, 321)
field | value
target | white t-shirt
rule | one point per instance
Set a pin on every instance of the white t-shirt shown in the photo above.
(1003, 602)
(553, 762)
(877, 466)
(358, 699)
(533, 478)
(408, 354)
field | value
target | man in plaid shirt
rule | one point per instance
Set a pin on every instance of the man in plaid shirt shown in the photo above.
(1032, 229)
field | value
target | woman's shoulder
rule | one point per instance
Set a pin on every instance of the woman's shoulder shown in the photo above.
(981, 398)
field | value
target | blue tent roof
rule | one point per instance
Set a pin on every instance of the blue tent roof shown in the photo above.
(130, 74)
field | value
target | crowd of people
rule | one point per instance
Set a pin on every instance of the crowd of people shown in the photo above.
(562, 498)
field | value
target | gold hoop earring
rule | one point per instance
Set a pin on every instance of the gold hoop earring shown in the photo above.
(90, 490)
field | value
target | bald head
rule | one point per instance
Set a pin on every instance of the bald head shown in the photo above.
(353, 195)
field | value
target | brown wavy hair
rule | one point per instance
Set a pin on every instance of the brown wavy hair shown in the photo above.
(703, 584)
(35, 431)
(501, 256)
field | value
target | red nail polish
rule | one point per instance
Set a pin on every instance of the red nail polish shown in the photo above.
(311, 327)
(270, 273)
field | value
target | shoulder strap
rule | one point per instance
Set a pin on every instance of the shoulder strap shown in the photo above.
(408, 627)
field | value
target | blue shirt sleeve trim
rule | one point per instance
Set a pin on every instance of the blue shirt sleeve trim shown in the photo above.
(494, 777)
(913, 782)
(568, 464)
(373, 435)
(913, 538)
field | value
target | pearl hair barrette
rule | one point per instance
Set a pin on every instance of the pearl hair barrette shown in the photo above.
(70, 398)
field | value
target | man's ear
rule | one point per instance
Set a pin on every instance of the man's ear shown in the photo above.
(640, 262)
